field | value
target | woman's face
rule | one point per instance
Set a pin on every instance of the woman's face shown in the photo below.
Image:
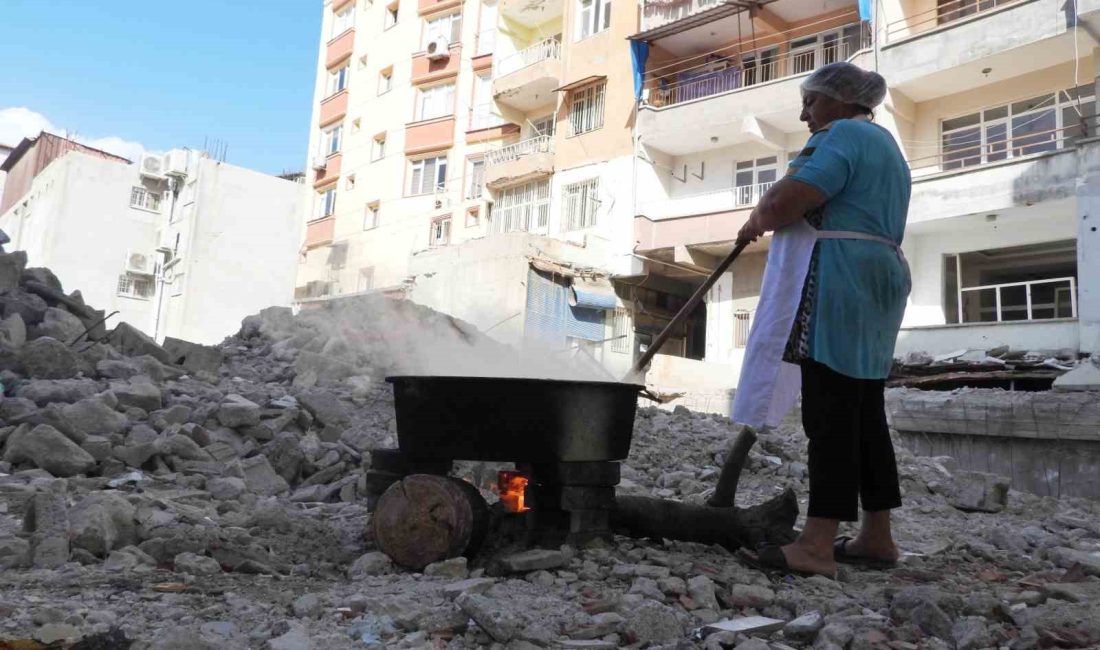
(819, 110)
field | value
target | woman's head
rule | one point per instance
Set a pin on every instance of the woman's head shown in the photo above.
(840, 90)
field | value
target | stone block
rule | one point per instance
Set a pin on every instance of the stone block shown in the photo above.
(11, 269)
(132, 342)
(30, 307)
(13, 332)
(58, 324)
(47, 448)
(237, 411)
(194, 357)
(47, 358)
(978, 492)
(139, 392)
(260, 478)
(533, 560)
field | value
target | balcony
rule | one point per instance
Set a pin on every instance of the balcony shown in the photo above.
(320, 231)
(1001, 173)
(429, 135)
(333, 108)
(965, 43)
(734, 198)
(425, 70)
(330, 172)
(429, 7)
(729, 90)
(658, 14)
(521, 161)
(339, 48)
(526, 79)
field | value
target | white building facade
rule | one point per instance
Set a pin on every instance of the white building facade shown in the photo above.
(179, 244)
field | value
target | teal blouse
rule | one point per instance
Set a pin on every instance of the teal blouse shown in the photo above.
(862, 286)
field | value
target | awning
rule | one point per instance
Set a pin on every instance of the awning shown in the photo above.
(572, 85)
(593, 293)
(721, 10)
(551, 267)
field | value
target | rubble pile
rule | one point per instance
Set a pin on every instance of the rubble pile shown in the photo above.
(184, 496)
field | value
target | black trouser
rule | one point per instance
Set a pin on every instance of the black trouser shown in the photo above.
(851, 455)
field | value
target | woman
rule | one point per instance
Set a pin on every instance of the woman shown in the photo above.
(833, 297)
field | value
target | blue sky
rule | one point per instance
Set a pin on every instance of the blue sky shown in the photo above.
(163, 74)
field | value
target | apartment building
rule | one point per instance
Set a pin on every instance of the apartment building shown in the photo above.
(476, 156)
(496, 161)
(179, 244)
(993, 104)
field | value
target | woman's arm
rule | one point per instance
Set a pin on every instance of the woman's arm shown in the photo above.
(785, 203)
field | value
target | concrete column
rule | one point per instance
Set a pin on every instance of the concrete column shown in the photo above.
(1088, 244)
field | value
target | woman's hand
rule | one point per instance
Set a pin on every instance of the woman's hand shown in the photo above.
(750, 231)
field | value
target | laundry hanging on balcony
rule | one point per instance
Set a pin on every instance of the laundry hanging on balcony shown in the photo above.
(639, 53)
(865, 9)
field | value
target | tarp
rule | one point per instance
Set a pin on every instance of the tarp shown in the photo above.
(865, 9)
(639, 52)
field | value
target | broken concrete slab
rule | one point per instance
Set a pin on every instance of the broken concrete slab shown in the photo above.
(139, 392)
(43, 276)
(1085, 377)
(978, 492)
(47, 448)
(11, 269)
(30, 307)
(48, 358)
(94, 416)
(102, 522)
(198, 565)
(260, 478)
(13, 331)
(533, 560)
(47, 519)
(236, 411)
(194, 357)
(489, 616)
(132, 342)
(58, 324)
(1067, 558)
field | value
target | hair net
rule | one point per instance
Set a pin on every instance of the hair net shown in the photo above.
(847, 83)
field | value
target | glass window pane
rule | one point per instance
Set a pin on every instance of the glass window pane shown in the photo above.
(962, 148)
(996, 142)
(1042, 101)
(998, 113)
(1034, 133)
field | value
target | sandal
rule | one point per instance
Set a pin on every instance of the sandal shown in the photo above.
(840, 554)
(769, 558)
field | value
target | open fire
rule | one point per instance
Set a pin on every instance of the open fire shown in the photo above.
(512, 486)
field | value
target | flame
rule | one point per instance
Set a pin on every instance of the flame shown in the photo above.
(512, 487)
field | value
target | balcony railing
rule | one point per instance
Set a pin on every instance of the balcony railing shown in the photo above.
(549, 48)
(1001, 142)
(706, 202)
(745, 69)
(512, 152)
(1019, 301)
(943, 14)
(655, 14)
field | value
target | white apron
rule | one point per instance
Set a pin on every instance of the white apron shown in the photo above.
(769, 387)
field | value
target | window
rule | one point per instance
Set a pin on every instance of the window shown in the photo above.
(391, 15)
(579, 204)
(428, 175)
(1044, 123)
(343, 20)
(144, 199)
(331, 140)
(378, 147)
(449, 27)
(487, 28)
(522, 207)
(476, 183)
(327, 203)
(338, 79)
(586, 112)
(1018, 283)
(135, 286)
(754, 177)
(436, 101)
(473, 218)
(370, 216)
(741, 328)
(441, 232)
(349, 182)
(366, 279)
(620, 332)
(543, 126)
(385, 81)
(592, 16)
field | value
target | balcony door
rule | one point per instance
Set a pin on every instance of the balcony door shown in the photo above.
(752, 178)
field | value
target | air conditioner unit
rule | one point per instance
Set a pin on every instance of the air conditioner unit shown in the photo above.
(439, 48)
(319, 162)
(139, 263)
(175, 162)
(152, 166)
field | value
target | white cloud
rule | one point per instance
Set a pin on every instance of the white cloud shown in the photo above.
(20, 122)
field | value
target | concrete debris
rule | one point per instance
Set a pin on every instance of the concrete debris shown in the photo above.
(214, 497)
